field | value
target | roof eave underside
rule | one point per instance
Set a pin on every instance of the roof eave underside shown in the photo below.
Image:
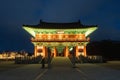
(59, 26)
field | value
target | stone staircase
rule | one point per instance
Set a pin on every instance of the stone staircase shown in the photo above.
(61, 62)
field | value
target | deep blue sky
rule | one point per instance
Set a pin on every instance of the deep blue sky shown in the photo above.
(15, 13)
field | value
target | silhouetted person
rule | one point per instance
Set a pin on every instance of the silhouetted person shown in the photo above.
(43, 62)
(74, 60)
(49, 58)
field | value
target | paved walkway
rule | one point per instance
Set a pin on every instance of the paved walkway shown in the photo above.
(61, 69)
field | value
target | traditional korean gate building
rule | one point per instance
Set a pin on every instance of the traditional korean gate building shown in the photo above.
(60, 38)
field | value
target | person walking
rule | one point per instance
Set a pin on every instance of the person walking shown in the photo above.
(43, 62)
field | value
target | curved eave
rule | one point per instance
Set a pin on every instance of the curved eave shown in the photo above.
(90, 30)
(29, 30)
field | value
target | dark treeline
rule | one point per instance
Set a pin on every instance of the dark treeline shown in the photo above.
(110, 50)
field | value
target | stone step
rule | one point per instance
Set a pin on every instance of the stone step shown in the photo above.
(61, 61)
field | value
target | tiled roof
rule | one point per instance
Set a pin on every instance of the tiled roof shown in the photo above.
(50, 25)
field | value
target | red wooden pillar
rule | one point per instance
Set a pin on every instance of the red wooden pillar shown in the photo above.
(66, 51)
(55, 52)
(76, 51)
(44, 52)
(85, 54)
(35, 50)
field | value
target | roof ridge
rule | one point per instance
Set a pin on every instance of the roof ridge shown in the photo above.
(44, 22)
(53, 25)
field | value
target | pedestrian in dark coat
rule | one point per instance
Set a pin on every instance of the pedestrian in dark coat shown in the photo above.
(43, 62)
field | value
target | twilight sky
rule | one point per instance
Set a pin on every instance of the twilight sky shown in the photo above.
(15, 13)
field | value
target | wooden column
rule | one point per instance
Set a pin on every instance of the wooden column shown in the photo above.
(76, 54)
(85, 51)
(35, 50)
(55, 53)
(44, 52)
(66, 51)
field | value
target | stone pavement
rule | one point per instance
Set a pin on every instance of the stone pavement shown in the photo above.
(61, 69)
